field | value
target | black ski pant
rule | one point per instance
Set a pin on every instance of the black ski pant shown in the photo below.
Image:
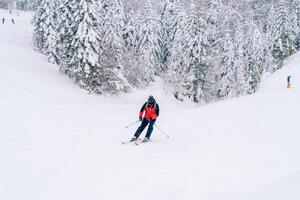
(143, 125)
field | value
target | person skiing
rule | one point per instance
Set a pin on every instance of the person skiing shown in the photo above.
(148, 115)
(289, 82)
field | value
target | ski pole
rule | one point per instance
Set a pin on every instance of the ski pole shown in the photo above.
(162, 131)
(132, 124)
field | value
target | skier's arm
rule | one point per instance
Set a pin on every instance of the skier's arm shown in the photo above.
(142, 110)
(157, 110)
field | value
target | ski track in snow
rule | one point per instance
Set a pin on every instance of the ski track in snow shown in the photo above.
(58, 142)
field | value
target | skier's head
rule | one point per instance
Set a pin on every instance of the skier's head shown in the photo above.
(151, 100)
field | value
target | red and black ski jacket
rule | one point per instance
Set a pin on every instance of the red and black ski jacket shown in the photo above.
(150, 111)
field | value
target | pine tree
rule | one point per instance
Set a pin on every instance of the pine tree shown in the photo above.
(215, 50)
(227, 73)
(132, 71)
(130, 32)
(169, 25)
(283, 33)
(43, 24)
(113, 47)
(239, 64)
(254, 60)
(147, 45)
(295, 11)
(52, 32)
(198, 60)
(270, 64)
(64, 34)
(268, 61)
(213, 16)
(83, 65)
(174, 78)
(187, 76)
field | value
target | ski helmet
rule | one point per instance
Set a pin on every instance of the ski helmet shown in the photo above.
(151, 99)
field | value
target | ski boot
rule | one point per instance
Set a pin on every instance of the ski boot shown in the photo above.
(133, 139)
(146, 139)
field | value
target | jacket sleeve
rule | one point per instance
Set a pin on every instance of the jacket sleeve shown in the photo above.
(142, 110)
(157, 110)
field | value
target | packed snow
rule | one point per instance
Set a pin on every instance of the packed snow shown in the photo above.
(59, 142)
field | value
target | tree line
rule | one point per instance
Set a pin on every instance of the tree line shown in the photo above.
(203, 51)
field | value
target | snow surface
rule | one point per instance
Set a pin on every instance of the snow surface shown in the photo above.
(60, 143)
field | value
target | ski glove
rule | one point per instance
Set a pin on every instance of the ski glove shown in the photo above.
(140, 118)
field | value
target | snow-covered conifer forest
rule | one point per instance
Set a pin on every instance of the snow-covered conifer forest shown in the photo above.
(203, 50)
(60, 143)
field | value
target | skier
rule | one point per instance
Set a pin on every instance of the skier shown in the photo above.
(289, 82)
(150, 110)
(3, 20)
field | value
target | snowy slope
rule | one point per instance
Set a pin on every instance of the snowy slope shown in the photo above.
(58, 142)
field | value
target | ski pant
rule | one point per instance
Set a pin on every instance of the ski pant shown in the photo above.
(143, 125)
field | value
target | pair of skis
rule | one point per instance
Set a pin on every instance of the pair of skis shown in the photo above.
(136, 142)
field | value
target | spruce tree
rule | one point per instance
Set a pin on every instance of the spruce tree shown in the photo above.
(64, 34)
(239, 64)
(147, 45)
(113, 47)
(132, 71)
(169, 25)
(295, 11)
(43, 24)
(270, 64)
(227, 73)
(188, 73)
(174, 79)
(83, 65)
(283, 34)
(52, 32)
(254, 60)
(215, 50)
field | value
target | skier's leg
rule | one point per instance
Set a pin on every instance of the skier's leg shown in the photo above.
(141, 128)
(150, 129)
